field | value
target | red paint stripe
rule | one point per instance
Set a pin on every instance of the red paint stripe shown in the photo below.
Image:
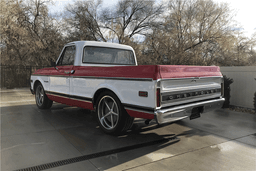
(82, 104)
(181, 71)
(71, 102)
(137, 114)
(147, 71)
(143, 71)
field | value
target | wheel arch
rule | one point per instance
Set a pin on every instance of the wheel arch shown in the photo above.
(98, 92)
(37, 82)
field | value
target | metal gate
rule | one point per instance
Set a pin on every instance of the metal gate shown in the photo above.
(14, 76)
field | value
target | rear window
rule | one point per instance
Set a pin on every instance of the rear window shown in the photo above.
(103, 55)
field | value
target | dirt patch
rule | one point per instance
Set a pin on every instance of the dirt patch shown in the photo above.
(242, 109)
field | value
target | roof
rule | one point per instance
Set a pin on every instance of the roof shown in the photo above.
(101, 44)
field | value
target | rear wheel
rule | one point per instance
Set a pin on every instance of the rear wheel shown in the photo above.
(42, 101)
(112, 117)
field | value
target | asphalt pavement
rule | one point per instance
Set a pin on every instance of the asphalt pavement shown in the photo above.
(69, 138)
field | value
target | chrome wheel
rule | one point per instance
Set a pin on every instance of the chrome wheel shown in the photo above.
(39, 95)
(108, 112)
(42, 101)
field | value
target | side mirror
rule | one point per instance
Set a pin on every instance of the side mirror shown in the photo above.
(53, 64)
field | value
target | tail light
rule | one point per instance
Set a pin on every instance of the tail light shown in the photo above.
(158, 99)
(222, 87)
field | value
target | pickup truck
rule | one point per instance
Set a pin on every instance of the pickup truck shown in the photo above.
(105, 78)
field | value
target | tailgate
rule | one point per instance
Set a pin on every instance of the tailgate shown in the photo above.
(186, 84)
(182, 71)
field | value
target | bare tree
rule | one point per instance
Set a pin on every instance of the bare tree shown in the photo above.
(131, 18)
(89, 21)
(191, 33)
(28, 33)
(83, 22)
(12, 36)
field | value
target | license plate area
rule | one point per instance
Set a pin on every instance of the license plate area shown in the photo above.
(196, 112)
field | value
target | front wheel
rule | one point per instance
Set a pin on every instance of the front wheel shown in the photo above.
(42, 101)
(112, 117)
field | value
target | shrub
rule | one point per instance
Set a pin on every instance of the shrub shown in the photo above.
(227, 89)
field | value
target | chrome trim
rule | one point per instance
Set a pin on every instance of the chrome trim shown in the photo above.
(39, 75)
(93, 77)
(47, 93)
(193, 86)
(198, 78)
(184, 111)
(115, 78)
(189, 100)
(216, 94)
(50, 75)
(57, 93)
(189, 90)
(80, 100)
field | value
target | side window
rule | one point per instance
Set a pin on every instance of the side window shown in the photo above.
(67, 56)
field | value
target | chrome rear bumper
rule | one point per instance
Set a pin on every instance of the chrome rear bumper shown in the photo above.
(181, 112)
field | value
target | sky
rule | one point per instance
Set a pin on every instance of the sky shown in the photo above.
(244, 10)
(245, 14)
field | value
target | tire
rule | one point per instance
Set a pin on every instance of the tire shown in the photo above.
(42, 101)
(111, 115)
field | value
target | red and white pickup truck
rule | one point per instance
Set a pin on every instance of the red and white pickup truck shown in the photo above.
(105, 77)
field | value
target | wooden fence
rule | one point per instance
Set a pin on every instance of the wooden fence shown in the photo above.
(244, 85)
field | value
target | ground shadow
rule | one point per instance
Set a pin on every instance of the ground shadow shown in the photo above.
(79, 127)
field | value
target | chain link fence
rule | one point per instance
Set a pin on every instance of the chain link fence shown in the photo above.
(15, 76)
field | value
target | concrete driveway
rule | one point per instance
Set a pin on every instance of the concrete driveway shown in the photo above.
(68, 138)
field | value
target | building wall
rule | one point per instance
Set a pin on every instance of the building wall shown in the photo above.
(244, 85)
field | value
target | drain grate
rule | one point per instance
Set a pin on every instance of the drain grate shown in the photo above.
(95, 155)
